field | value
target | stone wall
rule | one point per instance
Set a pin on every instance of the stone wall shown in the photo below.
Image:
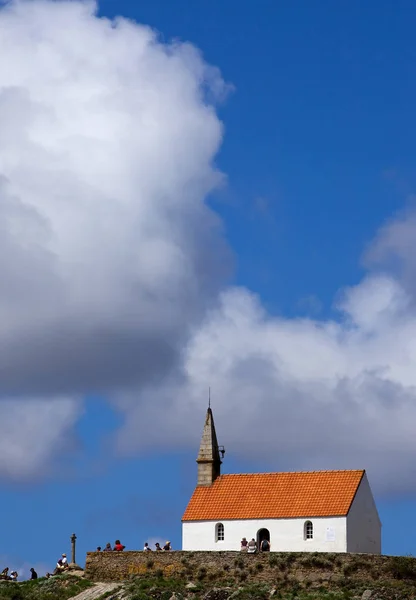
(225, 568)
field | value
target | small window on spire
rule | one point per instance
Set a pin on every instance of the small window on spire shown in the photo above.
(219, 532)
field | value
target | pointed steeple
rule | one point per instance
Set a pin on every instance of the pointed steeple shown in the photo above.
(209, 461)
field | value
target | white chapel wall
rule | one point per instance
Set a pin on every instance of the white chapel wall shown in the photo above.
(329, 534)
(363, 522)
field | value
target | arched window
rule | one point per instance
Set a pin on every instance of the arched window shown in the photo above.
(308, 530)
(219, 532)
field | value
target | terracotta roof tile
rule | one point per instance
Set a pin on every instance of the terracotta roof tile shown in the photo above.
(274, 496)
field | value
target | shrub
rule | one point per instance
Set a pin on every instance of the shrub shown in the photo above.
(362, 563)
(159, 573)
(349, 569)
(296, 588)
(315, 560)
(139, 596)
(273, 560)
(403, 567)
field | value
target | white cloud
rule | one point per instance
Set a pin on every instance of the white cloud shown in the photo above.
(108, 252)
(394, 245)
(35, 436)
(300, 393)
(112, 268)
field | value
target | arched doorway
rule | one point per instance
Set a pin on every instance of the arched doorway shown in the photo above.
(262, 534)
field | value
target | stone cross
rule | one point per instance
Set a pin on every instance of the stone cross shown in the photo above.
(73, 540)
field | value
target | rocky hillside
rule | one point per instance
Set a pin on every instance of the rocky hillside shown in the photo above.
(302, 577)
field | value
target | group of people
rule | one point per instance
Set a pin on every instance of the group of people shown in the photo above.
(166, 548)
(61, 566)
(5, 575)
(251, 547)
(118, 547)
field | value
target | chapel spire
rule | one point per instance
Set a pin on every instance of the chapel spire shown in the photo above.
(209, 461)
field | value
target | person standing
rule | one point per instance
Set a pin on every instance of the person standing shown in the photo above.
(265, 546)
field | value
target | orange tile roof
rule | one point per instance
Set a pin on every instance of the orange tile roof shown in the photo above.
(275, 496)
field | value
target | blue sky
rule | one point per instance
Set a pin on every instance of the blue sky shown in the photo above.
(321, 116)
(318, 154)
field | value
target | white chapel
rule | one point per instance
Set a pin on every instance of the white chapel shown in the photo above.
(316, 511)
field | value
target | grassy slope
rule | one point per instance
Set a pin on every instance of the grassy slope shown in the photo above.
(285, 589)
(291, 575)
(55, 588)
(397, 580)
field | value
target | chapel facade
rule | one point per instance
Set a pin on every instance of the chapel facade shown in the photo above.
(315, 511)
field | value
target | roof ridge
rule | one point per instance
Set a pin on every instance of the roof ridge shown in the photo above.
(292, 472)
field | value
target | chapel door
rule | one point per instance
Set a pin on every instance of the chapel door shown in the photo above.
(262, 534)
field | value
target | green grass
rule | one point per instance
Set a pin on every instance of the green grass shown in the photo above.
(109, 594)
(54, 588)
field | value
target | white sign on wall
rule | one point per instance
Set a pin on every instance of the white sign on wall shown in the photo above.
(330, 534)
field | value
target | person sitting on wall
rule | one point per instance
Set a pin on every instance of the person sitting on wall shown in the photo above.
(265, 546)
(33, 575)
(108, 547)
(13, 576)
(5, 573)
(60, 567)
(167, 547)
(252, 546)
(147, 548)
(64, 561)
(118, 546)
(98, 548)
(158, 548)
(244, 545)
